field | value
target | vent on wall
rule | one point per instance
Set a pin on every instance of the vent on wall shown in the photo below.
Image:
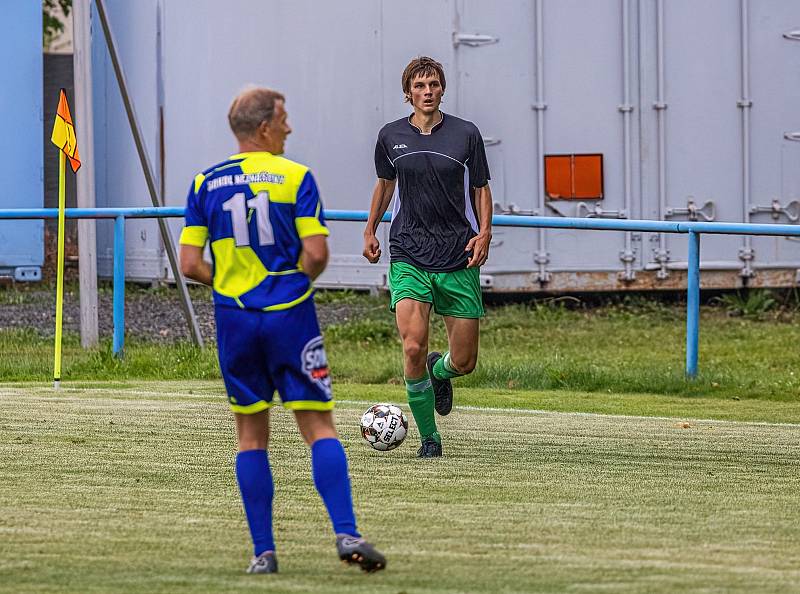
(573, 177)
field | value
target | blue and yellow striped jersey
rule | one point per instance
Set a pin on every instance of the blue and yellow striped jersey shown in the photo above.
(255, 208)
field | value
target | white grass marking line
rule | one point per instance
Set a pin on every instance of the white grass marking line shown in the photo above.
(534, 411)
(466, 408)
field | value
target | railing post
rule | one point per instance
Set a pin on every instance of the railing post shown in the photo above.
(119, 285)
(693, 305)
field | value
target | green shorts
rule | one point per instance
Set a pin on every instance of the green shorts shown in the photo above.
(456, 294)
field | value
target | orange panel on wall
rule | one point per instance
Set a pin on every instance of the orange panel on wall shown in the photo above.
(574, 177)
(587, 176)
(558, 176)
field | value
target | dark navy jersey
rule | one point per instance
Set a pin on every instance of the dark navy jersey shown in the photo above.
(434, 214)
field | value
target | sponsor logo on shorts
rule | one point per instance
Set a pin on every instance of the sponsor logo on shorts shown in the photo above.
(315, 364)
(398, 147)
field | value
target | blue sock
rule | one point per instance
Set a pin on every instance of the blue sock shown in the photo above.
(329, 467)
(255, 483)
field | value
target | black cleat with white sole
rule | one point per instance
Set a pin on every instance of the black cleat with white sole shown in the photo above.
(430, 448)
(357, 551)
(442, 389)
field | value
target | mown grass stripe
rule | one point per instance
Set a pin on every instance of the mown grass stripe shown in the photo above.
(520, 503)
(206, 391)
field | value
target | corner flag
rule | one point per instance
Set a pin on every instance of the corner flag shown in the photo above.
(64, 138)
(64, 133)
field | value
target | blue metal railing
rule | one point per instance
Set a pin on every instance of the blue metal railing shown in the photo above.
(692, 229)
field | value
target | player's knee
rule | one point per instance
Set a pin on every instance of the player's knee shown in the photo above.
(414, 350)
(463, 365)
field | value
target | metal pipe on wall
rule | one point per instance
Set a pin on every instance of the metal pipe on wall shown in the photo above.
(541, 257)
(119, 285)
(746, 253)
(627, 255)
(693, 305)
(693, 229)
(660, 105)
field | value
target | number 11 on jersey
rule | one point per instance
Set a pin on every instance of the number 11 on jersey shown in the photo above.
(240, 218)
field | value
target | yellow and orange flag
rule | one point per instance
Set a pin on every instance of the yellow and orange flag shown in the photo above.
(64, 133)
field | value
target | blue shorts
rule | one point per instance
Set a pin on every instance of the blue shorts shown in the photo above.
(260, 352)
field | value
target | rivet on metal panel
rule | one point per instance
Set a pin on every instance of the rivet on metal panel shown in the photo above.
(660, 105)
(539, 106)
(625, 108)
(744, 103)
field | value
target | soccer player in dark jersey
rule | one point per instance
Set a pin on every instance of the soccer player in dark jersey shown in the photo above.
(439, 238)
(262, 215)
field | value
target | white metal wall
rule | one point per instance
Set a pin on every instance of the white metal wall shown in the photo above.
(691, 102)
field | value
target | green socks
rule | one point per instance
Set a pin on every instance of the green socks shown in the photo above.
(420, 399)
(442, 370)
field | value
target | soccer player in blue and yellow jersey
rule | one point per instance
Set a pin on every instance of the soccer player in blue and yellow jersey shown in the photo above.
(439, 239)
(263, 217)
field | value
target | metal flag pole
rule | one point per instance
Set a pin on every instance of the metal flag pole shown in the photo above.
(166, 235)
(62, 164)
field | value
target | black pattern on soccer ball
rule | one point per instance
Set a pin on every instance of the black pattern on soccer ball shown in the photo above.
(384, 426)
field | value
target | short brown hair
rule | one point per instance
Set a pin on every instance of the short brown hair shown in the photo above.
(250, 108)
(422, 66)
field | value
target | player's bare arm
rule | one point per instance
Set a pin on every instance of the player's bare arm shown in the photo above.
(381, 197)
(314, 258)
(194, 266)
(479, 245)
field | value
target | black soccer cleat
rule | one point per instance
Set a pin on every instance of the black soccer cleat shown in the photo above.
(266, 562)
(357, 551)
(430, 448)
(442, 389)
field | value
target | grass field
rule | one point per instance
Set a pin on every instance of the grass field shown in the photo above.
(129, 487)
(630, 347)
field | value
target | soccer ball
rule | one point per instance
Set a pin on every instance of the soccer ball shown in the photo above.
(384, 426)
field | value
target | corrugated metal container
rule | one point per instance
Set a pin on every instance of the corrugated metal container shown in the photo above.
(692, 106)
(21, 242)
